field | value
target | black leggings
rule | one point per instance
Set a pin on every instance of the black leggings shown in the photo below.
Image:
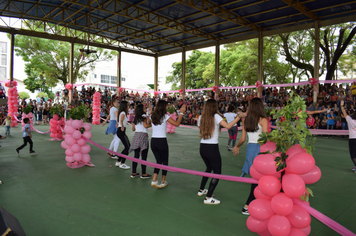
(251, 197)
(159, 147)
(125, 141)
(232, 132)
(25, 141)
(144, 157)
(212, 159)
(352, 150)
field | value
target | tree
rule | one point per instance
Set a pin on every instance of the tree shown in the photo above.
(49, 60)
(24, 95)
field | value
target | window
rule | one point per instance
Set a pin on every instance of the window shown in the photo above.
(3, 59)
(108, 88)
(2, 72)
(113, 80)
(123, 79)
(93, 76)
(105, 79)
(3, 47)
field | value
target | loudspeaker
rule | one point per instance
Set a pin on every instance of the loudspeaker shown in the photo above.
(9, 225)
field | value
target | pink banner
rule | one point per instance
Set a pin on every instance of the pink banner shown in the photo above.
(325, 131)
(325, 220)
(40, 132)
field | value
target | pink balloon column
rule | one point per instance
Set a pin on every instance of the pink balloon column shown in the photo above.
(30, 116)
(96, 108)
(56, 127)
(77, 149)
(171, 128)
(273, 212)
(12, 101)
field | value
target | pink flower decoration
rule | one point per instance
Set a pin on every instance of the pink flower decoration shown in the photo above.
(258, 84)
(121, 90)
(215, 88)
(10, 83)
(156, 93)
(180, 91)
(69, 86)
(313, 81)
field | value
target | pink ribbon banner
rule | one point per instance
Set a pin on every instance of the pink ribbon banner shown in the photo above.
(324, 131)
(321, 217)
(40, 132)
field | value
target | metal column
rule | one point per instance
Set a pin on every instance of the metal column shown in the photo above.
(217, 66)
(183, 72)
(260, 62)
(71, 64)
(118, 73)
(12, 46)
(316, 59)
(156, 73)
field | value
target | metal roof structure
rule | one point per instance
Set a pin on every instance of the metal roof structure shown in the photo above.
(163, 27)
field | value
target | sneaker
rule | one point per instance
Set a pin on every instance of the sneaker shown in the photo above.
(354, 169)
(117, 163)
(228, 147)
(114, 157)
(155, 184)
(201, 193)
(32, 152)
(245, 211)
(146, 176)
(134, 175)
(231, 149)
(164, 184)
(124, 166)
(17, 151)
(211, 201)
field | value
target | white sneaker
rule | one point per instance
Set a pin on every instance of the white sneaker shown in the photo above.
(162, 185)
(231, 149)
(201, 193)
(211, 201)
(117, 163)
(114, 157)
(155, 184)
(228, 147)
(124, 166)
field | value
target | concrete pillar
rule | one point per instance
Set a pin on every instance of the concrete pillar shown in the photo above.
(118, 72)
(217, 66)
(12, 46)
(260, 62)
(316, 59)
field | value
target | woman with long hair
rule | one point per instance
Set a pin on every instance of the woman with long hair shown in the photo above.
(113, 127)
(140, 140)
(351, 122)
(121, 133)
(209, 123)
(254, 124)
(159, 145)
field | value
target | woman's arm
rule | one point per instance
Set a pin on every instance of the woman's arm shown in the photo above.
(239, 144)
(177, 123)
(122, 117)
(146, 123)
(133, 127)
(231, 124)
(343, 109)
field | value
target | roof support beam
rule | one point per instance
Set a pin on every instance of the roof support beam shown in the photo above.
(301, 8)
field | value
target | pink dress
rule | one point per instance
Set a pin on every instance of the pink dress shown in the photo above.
(171, 128)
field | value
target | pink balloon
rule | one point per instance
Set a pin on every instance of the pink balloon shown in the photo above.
(87, 126)
(75, 148)
(87, 134)
(281, 204)
(78, 156)
(265, 164)
(254, 173)
(296, 232)
(256, 226)
(69, 122)
(259, 195)
(279, 226)
(69, 152)
(269, 185)
(86, 158)
(268, 146)
(69, 159)
(64, 145)
(85, 149)
(68, 129)
(81, 142)
(76, 124)
(53, 135)
(55, 117)
(59, 135)
(307, 230)
(260, 209)
(313, 176)
(53, 131)
(294, 150)
(299, 218)
(293, 185)
(69, 140)
(76, 134)
(300, 163)
(265, 233)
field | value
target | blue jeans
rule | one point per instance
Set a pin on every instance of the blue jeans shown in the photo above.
(330, 127)
(252, 151)
(344, 125)
(7, 132)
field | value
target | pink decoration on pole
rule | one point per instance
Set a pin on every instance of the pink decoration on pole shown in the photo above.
(121, 90)
(180, 91)
(96, 108)
(314, 82)
(258, 84)
(215, 88)
(57, 127)
(69, 86)
(12, 102)
(156, 93)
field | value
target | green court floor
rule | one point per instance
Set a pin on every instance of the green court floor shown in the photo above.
(50, 199)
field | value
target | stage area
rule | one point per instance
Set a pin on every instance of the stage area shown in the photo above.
(50, 199)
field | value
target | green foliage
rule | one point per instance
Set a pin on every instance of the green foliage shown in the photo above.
(292, 130)
(57, 109)
(171, 110)
(27, 109)
(24, 95)
(79, 113)
(42, 94)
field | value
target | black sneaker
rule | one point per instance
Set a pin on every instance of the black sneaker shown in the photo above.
(146, 176)
(17, 151)
(134, 175)
(245, 211)
(32, 152)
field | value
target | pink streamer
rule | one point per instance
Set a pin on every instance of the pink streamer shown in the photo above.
(40, 132)
(325, 220)
(325, 131)
(176, 169)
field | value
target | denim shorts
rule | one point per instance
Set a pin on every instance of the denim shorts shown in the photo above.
(252, 151)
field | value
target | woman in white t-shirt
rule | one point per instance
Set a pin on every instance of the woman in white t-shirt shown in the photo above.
(121, 133)
(140, 140)
(159, 145)
(254, 124)
(351, 122)
(230, 116)
(113, 127)
(209, 123)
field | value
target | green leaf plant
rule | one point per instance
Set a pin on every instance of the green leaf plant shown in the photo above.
(57, 109)
(80, 112)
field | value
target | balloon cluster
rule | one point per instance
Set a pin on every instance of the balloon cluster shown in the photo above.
(273, 212)
(69, 86)
(12, 101)
(171, 128)
(156, 93)
(30, 116)
(96, 108)
(76, 147)
(56, 127)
